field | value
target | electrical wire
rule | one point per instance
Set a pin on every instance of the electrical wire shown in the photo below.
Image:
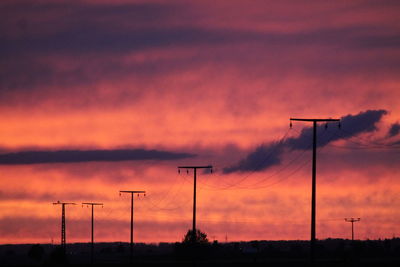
(280, 143)
(257, 185)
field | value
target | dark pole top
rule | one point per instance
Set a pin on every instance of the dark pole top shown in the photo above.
(352, 219)
(63, 203)
(90, 203)
(195, 167)
(128, 191)
(297, 119)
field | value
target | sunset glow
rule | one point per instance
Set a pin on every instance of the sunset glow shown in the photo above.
(147, 86)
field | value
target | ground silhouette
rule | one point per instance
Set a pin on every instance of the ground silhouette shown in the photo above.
(329, 252)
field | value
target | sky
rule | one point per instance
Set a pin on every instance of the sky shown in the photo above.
(102, 96)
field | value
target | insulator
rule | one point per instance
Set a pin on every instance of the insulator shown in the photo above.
(211, 170)
(339, 125)
(187, 171)
(326, 126)
(179, 170)
(291, 125)
(144, 194)
(102, 206)
(138, 195)
(82, 205)
(119, 193)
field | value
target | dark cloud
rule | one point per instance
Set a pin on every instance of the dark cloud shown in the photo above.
(264, 156)
(78, 30)
(350, 125)
(268, 155)
(70, 156)
(47, 197)
(394, 129)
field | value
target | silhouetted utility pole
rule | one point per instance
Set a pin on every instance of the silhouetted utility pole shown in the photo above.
(194, 193)
(92, 243)
(132, 193)
(314, 174)
(63, 231)
(352, 220)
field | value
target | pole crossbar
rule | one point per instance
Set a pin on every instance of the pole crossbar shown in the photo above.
(195, 167)
(297, 119)
(93, 204)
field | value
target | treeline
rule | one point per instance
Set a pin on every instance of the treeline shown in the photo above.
(334, 252)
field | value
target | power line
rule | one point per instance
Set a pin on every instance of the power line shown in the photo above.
(280, 143)
(314, 174)
(164, 207)
(63, 226)
(257, 184)
(194, 192)
(364, 142)
(251, 172)
(352, 220)
(92, 204)
(132, 193)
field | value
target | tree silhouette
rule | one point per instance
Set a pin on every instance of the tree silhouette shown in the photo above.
(199, 237)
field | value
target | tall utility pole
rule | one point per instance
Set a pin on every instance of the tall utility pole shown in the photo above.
(352, 220)
(92, 204)
(313, 189)
(63, 238)
(132, 193)
(194, 193)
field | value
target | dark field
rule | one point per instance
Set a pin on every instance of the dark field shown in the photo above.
(330, 252)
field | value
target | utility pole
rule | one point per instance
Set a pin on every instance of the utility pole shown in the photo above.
(63, 231)
(352, 220)
(194, 193)
(92, 204)
(132, 193)
(314, 174)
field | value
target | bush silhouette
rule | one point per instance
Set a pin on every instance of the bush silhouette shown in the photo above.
(193, 246)
(199, 237)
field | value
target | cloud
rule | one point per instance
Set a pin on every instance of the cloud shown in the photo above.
(47, 197)
(71, 156)
(351, 125)
(264, 156)
(394, 129)
(98, 36)
(267, 155)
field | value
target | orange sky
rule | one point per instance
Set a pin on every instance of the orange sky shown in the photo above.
(214, 80)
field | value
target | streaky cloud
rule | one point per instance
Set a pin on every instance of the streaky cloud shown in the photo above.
(268, 155)
(74, 156)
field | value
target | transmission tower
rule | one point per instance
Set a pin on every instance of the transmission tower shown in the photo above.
(138, 194)
(63, 231)
(92, 204)
(352, 220)
(194, 193)
(314, 174)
